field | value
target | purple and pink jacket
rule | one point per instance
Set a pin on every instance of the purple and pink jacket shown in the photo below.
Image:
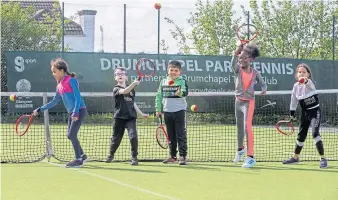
(67, 90)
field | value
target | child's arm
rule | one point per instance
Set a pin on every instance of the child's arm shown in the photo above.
(49, 105)
(293, 103)
(158, 99)
(309, 84)
(234, 66)
(262, 83)
(129, 88)
(75, 86)
(183, 89)
(139, 111)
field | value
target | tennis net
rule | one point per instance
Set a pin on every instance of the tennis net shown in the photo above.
(212, 133)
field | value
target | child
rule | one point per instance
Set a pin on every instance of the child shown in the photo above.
(171, 94)
(305, 93)
(67, 89)
(124, 115)
(246, 76)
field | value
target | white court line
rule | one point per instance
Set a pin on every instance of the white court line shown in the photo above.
(117, 182)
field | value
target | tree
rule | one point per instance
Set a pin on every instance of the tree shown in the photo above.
(288, 29)
(294, 29)
(21, 31)
(213, 29)
(164, 46)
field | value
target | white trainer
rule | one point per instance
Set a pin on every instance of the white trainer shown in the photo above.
(239, 155)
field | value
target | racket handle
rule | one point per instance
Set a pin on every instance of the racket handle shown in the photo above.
(160, 119)
(139, 78)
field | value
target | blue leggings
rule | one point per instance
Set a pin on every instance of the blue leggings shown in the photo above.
(73, 129)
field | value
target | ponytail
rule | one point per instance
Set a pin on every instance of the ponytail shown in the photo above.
(60, 64)
(72, 74)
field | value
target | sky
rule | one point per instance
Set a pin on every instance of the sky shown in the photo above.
(141, 31)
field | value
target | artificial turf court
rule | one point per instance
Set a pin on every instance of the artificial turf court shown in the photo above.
(154, 180)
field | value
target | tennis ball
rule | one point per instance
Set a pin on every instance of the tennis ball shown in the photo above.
(12, 97)
(194, 108)
(301, 80)
(157, 6)
(171, 82)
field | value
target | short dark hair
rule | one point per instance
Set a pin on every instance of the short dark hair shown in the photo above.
(61, 64)
(175, 64)
(252, 50)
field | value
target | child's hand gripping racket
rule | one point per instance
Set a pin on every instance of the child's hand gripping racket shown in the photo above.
(145, 68)
(23, 124)
(161, 135)
(285, 127)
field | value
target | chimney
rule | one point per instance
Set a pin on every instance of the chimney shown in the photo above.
(87, 22)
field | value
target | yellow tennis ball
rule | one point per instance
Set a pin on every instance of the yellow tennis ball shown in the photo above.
(194, 108)
(12, 97)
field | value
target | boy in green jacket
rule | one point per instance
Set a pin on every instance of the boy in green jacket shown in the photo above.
(171, 95)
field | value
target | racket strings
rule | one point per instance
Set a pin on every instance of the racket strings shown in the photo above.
(161, 137)
(146, 67)
(247, 32)
(23, 124)
(285, 128)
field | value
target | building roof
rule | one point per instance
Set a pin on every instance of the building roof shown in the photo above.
(44, 7)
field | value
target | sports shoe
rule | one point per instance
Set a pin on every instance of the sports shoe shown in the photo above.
(182, 160)
(170, 160)
(291, 160)
(110, 158)
(84, 158)
(134, 161)
(75, 163)
(239, 155)
(323, 163)
(249, 162)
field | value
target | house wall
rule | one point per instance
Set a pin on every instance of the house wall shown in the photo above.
(78, 43)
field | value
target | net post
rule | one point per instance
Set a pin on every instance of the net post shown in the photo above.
(124, 28)
(63, 27)
(49, 150)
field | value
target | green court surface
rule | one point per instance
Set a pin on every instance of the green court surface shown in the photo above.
(154, 180)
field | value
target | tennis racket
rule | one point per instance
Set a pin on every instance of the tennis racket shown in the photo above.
(145, 68)
(285, 127)
(22, 124)
(162, 136)
(246, 33)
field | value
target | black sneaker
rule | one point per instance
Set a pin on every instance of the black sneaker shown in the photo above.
(84, 158)
(134, 161)
(75, 164)
(182, 161)
(110, 158)
(291, 160)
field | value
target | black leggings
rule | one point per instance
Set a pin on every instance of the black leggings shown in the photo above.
(309, 117)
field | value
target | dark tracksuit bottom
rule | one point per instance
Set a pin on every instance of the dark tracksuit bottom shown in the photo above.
(177, 132)
(118, 131)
